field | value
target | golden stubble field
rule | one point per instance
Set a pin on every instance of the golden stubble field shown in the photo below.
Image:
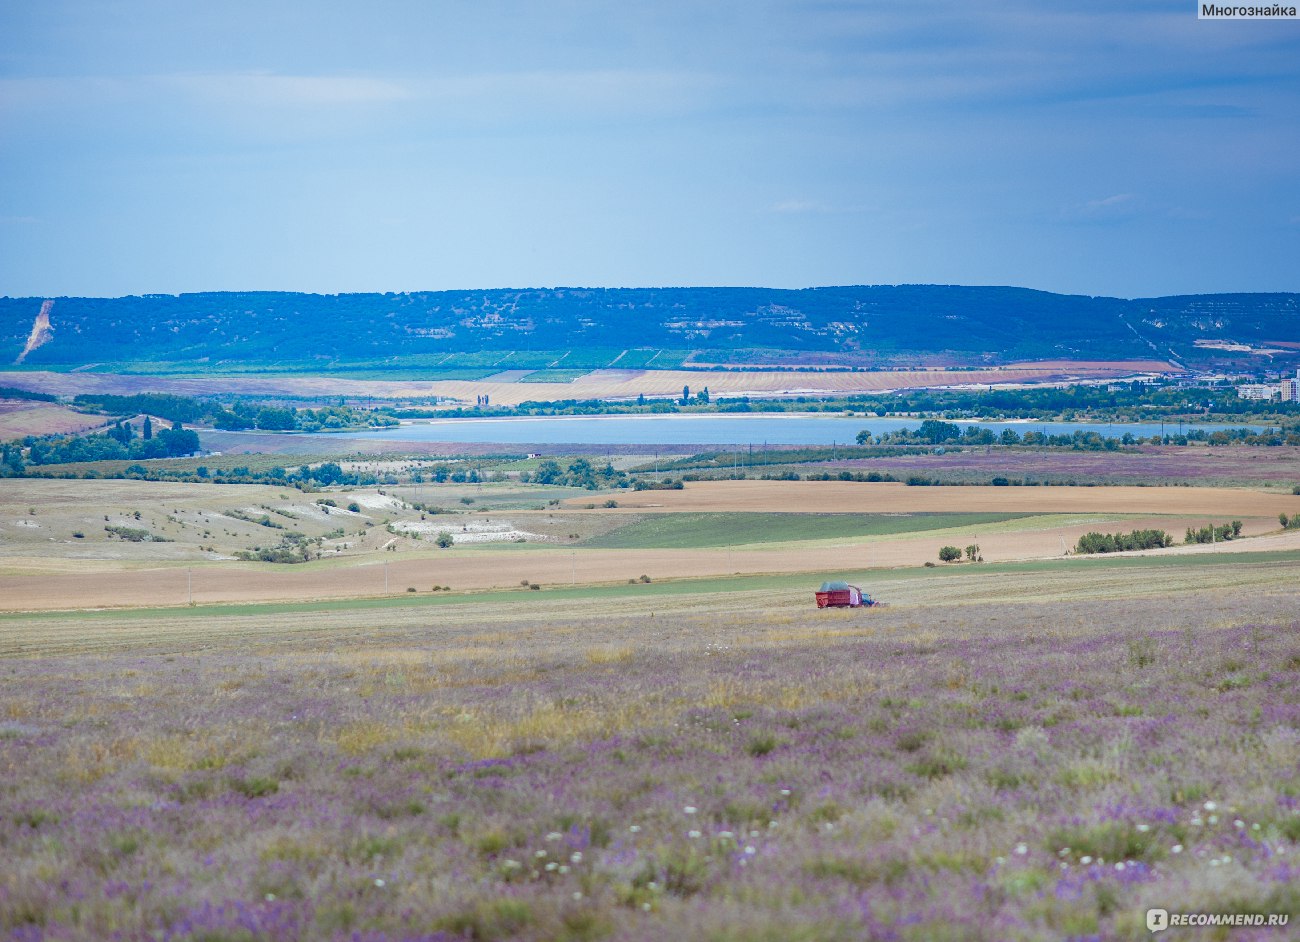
(43, 566)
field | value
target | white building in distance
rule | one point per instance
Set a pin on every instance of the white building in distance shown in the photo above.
(1288, 390)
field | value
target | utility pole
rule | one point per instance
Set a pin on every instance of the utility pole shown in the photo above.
(385, 577)
(189, 586)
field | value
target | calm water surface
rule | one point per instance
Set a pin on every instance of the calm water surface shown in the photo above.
(781, 429)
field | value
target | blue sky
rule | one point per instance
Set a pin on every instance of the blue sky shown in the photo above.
(1099, 147)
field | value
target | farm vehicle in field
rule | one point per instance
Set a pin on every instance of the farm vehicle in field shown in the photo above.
(843, 595)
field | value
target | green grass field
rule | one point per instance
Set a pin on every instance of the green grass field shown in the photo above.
(1075, 578)
(554, 376)
(698, 530)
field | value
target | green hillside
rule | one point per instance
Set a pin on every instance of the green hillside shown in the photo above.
(634, 328)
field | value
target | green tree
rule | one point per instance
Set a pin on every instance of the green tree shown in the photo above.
(177, 441)
(147, 432)
(276, 420)
(582, 474)
(548, 472)
(949, 554)
(445, 540)
(328, 472)
(12, 462)
(936, 431)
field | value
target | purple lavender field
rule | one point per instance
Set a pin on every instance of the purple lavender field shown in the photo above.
(1000, 755)
(1149, 464)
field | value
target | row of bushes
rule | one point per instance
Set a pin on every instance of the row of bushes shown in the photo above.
(1122, 542)
(1214, 534)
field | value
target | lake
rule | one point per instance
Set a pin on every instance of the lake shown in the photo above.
(713, 429)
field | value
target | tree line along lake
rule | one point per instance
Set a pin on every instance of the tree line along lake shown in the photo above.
(712, 429)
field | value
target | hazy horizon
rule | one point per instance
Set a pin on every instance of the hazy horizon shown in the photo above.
(418, 291)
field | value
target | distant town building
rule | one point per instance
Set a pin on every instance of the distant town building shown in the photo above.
(1258, 391)
(1288, 390)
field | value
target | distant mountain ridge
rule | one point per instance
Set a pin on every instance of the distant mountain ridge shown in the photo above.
(577, 328)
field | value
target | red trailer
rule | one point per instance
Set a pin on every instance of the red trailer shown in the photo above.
(842, 595)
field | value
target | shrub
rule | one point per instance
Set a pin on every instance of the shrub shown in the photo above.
(937, 764)
(444, 539)
(761, 744)
(1214, 534)
(135, 535)
(949, 554)
(1141, 652)
(1121, 542)
(255, 787)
